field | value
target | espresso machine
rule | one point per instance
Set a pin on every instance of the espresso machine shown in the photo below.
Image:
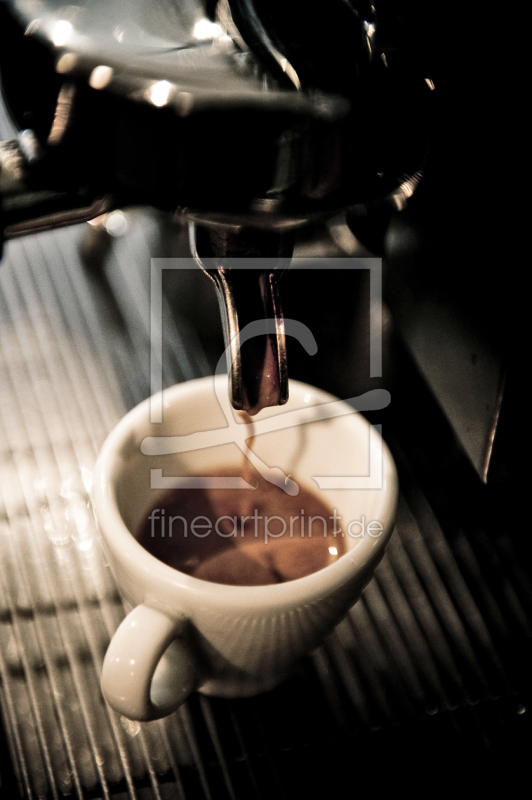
(272, 136)
(246, 123)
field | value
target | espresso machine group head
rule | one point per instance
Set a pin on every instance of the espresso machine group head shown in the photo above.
(248, 119)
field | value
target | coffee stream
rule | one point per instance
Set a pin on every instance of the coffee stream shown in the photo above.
(241, 536)
(247, 473)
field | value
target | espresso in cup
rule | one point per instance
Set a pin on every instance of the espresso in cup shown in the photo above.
(259, 593)
(243, 537)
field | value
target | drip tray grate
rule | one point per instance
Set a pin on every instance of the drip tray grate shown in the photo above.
(431, 666)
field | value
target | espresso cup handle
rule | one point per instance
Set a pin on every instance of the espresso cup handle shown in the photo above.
(148, 670)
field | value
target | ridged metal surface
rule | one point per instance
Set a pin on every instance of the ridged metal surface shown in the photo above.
(432, 666)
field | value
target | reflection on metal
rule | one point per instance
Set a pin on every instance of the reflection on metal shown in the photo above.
(159, 93)
(204, 29)
(464, 372)
(67, 63)
(59, 218)
(116, 223)
(254, 27)
(403, 192)
(63, 113)
(12, 165)
(100, 77)
(61, 32)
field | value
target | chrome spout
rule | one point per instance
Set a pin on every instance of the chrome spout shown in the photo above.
(246, 267)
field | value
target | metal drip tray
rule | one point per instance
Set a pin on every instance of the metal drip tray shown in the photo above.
(431, 667)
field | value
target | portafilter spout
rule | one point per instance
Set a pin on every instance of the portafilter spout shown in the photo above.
(246, 266)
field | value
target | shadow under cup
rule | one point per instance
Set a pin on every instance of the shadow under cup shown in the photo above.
(245, 638)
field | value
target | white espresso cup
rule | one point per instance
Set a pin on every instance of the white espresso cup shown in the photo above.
(185, 633)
